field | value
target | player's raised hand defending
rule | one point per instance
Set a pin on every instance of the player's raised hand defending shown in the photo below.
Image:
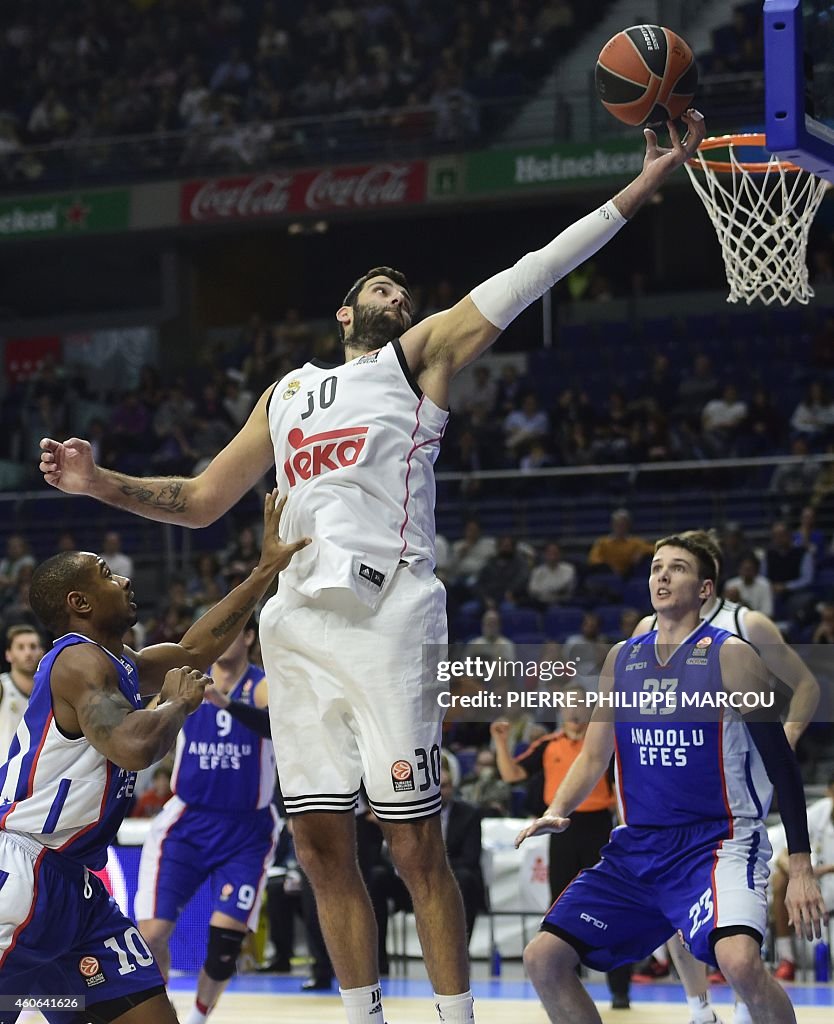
(185, 684)
(276, 554)
(68, 465)
(542, 826)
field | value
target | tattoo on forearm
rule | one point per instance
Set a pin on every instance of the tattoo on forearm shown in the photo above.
(229, 623)
(167, 496)
(104, 712)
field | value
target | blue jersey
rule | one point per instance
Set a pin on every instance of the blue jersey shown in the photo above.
(691, 763)
(221, 765)
(61, 791)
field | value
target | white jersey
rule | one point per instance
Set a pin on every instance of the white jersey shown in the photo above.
(725, 615)
(355, 447)
(13, 704)
(59, 790)
(730, 616)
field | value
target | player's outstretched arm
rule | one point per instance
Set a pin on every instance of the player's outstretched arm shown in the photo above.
(744, 673)
(783, 662)
(588, 768)
(70, 467)
(254, 716)
(87, 700)
(212, 633)
(441, 345)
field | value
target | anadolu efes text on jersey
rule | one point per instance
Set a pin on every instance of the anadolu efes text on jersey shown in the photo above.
(219, 764)
(355, 447)
(690, 760)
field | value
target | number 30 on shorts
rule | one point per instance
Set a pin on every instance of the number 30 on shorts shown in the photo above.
(701, 912)
(428, 761)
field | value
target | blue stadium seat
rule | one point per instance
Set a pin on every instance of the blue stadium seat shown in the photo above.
(560, 621)
(518, 620)
(636, 594)
(604, 586)
(533, 639)
(609, 618)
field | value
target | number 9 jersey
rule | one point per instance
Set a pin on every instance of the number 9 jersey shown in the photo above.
(219, 763)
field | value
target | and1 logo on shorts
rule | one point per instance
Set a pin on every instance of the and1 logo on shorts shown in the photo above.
(402, 777)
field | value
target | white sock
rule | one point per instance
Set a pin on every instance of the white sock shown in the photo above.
(741, 1015)
(458, 1009)
(363, 1004)
(784, 948)
(196, 1016)
(700, 1010)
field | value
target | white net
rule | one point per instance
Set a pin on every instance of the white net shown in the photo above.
(762, 218)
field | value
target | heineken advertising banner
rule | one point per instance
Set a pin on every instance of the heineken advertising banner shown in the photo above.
(74, 213)
(551, 167)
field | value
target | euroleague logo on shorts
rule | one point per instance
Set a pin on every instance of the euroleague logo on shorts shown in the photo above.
(90, 970)
(402, 777)
(88, 965)
(320, 453)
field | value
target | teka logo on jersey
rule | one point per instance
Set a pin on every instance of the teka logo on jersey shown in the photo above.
(319, 453)
(234, 198)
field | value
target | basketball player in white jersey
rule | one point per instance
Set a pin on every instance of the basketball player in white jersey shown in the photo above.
(24, 649)
(784, 664)
(354, 446)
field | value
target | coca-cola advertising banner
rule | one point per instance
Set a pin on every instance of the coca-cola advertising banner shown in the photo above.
(276, 193)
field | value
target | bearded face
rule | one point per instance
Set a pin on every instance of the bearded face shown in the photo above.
(375, 326)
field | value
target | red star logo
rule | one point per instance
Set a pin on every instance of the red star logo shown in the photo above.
(76, 214)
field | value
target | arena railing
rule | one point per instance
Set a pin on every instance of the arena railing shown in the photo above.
(571, 502)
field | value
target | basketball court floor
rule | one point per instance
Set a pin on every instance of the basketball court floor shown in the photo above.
(267, 999)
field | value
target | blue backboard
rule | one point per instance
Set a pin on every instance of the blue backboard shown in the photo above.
(799, 82)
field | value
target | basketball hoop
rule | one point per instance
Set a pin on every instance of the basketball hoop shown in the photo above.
(762, 213)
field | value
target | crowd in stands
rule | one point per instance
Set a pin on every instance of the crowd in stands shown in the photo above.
(233, 77)
(505, 419)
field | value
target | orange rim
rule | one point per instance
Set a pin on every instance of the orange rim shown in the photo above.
(727, 167)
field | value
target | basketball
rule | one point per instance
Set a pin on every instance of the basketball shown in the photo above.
(646, 75)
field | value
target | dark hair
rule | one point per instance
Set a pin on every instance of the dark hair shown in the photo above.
(695, 546)
(708, 540)
(19, 630)
(51, 582)
(397, 276)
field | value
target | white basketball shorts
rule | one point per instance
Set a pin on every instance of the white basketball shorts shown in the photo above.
(348, 696)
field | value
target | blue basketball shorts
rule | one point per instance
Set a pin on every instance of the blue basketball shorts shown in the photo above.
(652, 882)
(187, 845)
(61, 933)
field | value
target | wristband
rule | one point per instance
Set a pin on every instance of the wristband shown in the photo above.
(256, 719)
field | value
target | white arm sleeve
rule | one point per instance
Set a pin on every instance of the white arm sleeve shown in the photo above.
(503, 297)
